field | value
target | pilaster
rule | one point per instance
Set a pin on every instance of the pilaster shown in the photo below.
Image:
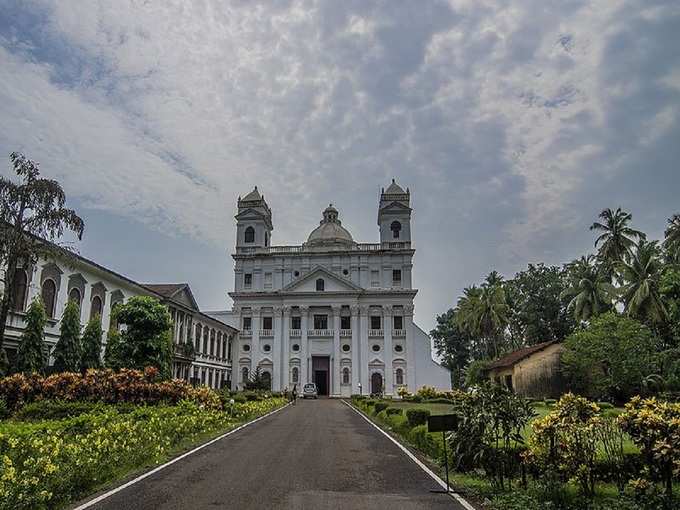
(363, 349)
(388, 350)
(276, 349)
(355, 349)
(285, 348)
(304, 348)
(335, 365)
(410, 348)
(255, 344)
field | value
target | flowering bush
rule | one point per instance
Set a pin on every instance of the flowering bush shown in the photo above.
(103, 386)
(46, 464)
(654, 426)
(428, 392)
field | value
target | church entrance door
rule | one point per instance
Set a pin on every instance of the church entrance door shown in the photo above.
(376, 384)
(321, 371)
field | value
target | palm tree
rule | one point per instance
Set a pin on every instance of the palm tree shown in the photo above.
(589, 292)
(641, 296)
(672, 239)
(465, 312)
(617, 239)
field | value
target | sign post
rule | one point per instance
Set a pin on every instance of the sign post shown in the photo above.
(443, 423)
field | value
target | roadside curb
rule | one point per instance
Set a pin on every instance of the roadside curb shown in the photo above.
(155, 470)
(463, 502)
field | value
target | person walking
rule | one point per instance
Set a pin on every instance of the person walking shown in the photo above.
(294, 395)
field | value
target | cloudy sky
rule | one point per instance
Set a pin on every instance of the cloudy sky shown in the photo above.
(513, 123)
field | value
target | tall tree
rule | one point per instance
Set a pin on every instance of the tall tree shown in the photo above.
(537, 311)
(617, 239)
(642, 274)
(452, 346)
(92, 339)
(30, 210)
(68, 350)
(588, 291)
(31, 354)
(671, 242)
(146, 339)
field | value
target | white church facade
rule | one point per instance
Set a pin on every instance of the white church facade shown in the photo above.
(330, 311)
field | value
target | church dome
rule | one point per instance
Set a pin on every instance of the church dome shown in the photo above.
(330, 232)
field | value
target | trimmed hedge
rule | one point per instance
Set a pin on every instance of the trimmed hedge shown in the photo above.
(417, 417)
(380, 406)
(394, 411)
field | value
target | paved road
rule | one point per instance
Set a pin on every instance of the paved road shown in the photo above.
(316, 455)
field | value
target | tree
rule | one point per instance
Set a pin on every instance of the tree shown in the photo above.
(30, 212)
(452, 346)
(588, 291)
(92, 338)
(31, 355)
(67, 352)
(491, 316)
(671, 242)
(112, 354)
(617, 239)
(642, 274)
(610, 358)
(146, 340)
(538, 312)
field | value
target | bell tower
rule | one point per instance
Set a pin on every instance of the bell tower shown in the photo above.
(394, 215)
(253, 221)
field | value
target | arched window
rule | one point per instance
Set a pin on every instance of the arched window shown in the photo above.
(20, 286)
(74, 295)
(49, 294)
(295, 375)
(250, 235)
(212, 342)
(400, 376)
(395, 228)
(96, 308)
(345, 375)
(320, 284)
(267, 380)
(244, 374)
(266, 239)
(198, 338)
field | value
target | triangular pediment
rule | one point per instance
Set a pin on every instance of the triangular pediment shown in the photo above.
(185, 297)
(395, 207)
(250, 214)
(332, 282)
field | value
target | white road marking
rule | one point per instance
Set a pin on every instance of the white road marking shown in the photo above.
(415, 459)
(176, 459)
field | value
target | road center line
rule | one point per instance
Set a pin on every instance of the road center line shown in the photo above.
(176, 459)
(415, 459)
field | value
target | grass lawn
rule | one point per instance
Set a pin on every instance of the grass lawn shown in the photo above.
(433, 408)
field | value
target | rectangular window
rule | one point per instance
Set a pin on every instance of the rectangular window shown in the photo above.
(398, 322)
(267, 323)
(247, 323)
(375, 322)
(248, 280)
(321, 322)
(295, 322)
(375, 278)
(345, 322)
(267, 280)
(396, 277)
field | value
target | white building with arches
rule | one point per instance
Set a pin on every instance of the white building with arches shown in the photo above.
(331, 311)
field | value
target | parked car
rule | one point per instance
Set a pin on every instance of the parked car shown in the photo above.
(309, 391)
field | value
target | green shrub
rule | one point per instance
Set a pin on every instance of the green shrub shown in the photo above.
(427, 392)
(252, 396)
(421, 439)
(4, 411)
(359, 397)
(369, 402)
(56, 410)
(394, 411)
(417, 417)
(380, 406)
(550, 401)
(413, 398)
(605, 405)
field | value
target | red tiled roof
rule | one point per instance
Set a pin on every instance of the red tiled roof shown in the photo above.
(515, 356)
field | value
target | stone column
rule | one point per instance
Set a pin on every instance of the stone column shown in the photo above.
(304, 313)
(255, 344)
(285, 349)
(363, 349)
(410, 348)
(387, 355)
(276, 349)
(355, 349)
(335, 365)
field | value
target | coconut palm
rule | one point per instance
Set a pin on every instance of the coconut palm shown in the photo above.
(642, 273)
(672, 239)
(617, 239)
(589, 292)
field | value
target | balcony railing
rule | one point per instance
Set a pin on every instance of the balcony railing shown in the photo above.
(345, 332)
(294, 333)
(320, 332)
(264, 333)
(398, 332)
(376, 332)
(246, 333)
(267, 250)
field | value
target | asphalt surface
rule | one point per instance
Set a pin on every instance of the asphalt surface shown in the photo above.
(318, 454)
